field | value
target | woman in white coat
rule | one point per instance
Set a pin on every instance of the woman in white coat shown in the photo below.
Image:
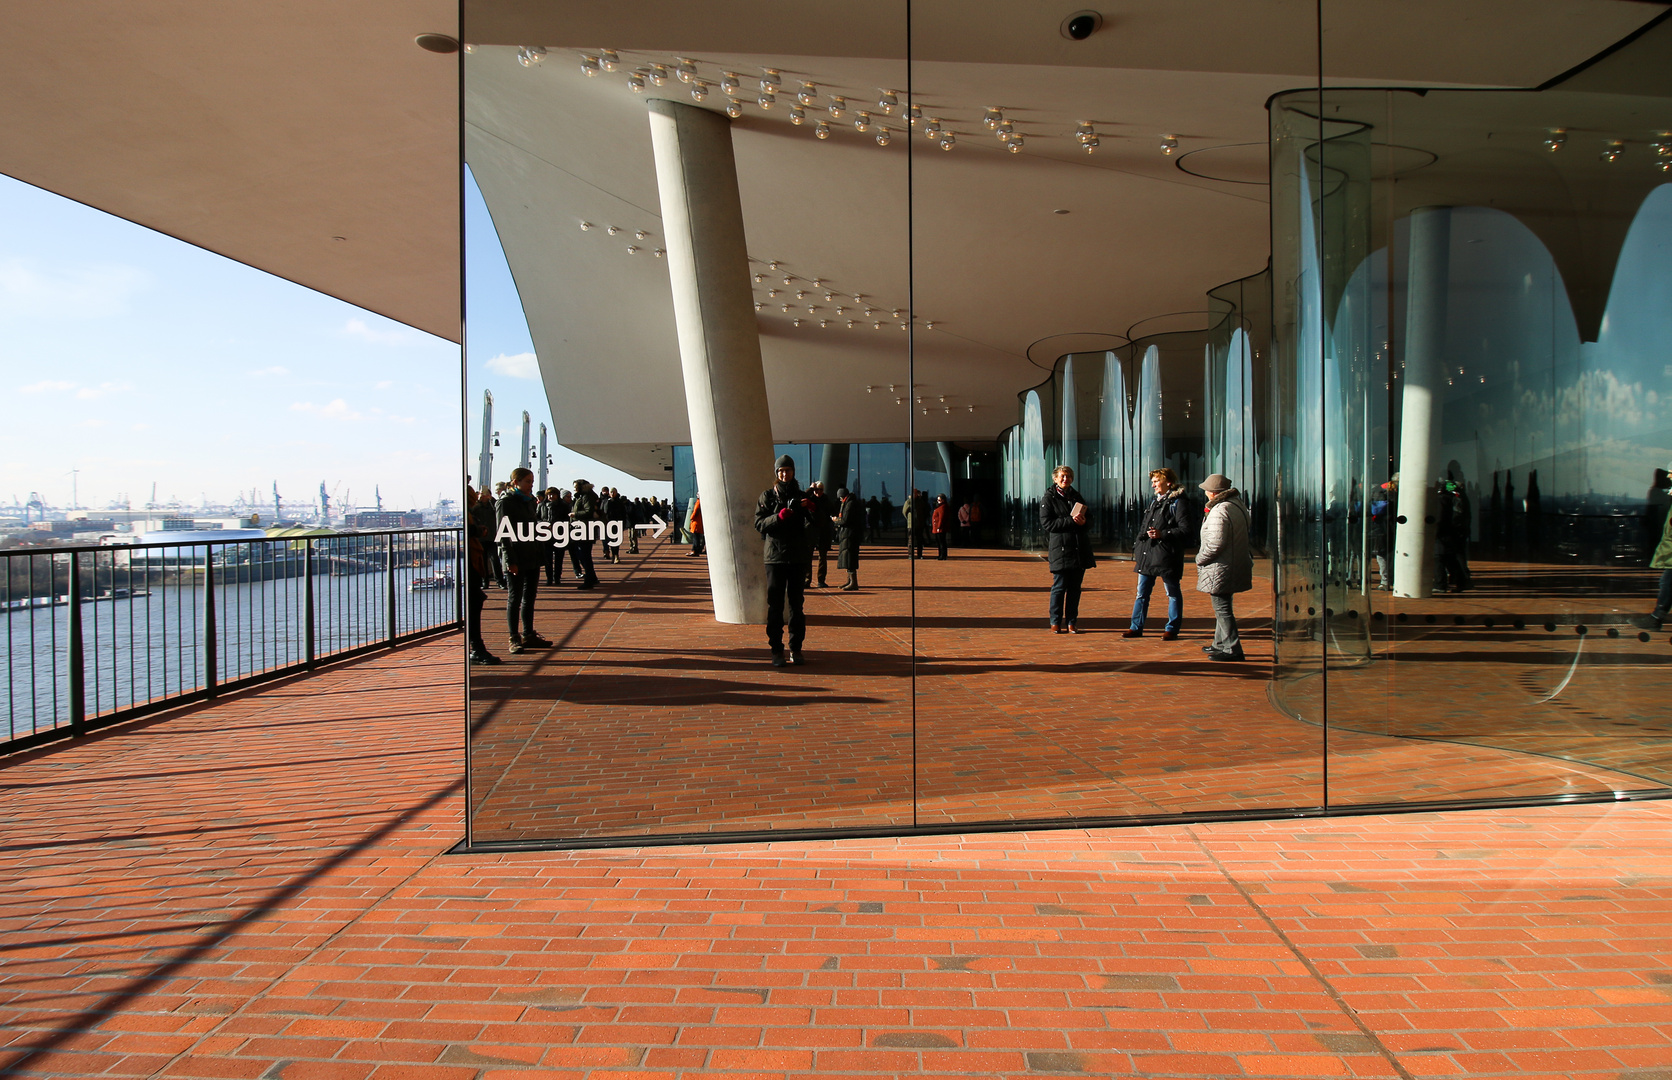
(1224, 563)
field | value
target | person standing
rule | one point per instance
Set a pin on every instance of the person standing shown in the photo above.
(965, 538)
(695, 528)
(1224, 563)
(784, 516)
(522, 559)
(940, 525)
(1067, 524)
(850, 526)
(552, 512)
(824, 534)
(1158, 552)
(584, 509)
(1662, 560)
(475, 573)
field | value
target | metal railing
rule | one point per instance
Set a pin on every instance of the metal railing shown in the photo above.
(95, 635)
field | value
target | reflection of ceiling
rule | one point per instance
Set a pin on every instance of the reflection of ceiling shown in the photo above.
(970, 237)
(261, 131)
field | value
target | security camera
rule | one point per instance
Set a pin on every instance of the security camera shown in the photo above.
(1081, 25)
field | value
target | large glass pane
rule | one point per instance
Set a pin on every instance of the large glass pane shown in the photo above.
(1075, 201)
(1483, 298)
(614, 152)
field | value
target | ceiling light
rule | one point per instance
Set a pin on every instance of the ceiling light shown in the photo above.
(1085, 131)
(882, 136)
(869, 311)
(808, 94)
(1015, 144)
(786, 309)
(830, 296)
(888, 102)
(658, 75)
(839, 310)
(797, 114)
(773, 292)
(929, 325)
(586, 226)
(947, 411)
(788, 278)
(759, 278)
(824, 324)
(775, 265)
(659, 252)
(919, 399)
(870, 389)
(640, 235)
(766, 100)
(699, 90)
(632, 249)
(529, 55)
(932, 129)
(1169, 143)
(1556, 139)
(797, 322)
(862, 121)
(822, 130)
(852, 324)
(913, 115)
(1613, 151)
(636, 82)
(1091, 145)
(876, 326)
(943, 399)
(613, 229)
(734, 108)
(684, 70)
(770, 81)
(610, 60)
(992, 119)
(836, 106)
(1006, 129)
(730, 83)
(590, 66)
(759, 305)
(801, 294)
(896, 313)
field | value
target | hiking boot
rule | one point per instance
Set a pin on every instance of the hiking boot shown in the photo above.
(535, 641)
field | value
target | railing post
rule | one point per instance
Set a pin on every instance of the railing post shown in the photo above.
(211, 676)
(389, 582)
(78, 672)
(307, 602)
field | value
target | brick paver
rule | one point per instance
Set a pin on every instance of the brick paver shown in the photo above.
(262, 887)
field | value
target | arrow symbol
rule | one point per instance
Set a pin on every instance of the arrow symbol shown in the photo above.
(660, 526)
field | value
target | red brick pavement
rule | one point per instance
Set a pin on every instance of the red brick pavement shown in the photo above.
(261, 888)
(651, 717)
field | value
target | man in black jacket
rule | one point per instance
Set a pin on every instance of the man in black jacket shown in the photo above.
(1168, 527)
(523, 556)
(785, 517)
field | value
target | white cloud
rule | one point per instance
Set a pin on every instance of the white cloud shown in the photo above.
(104, 389)
(46, 385)
(275, 370)
(398, 336)
(80, 292)
(335, 409)
(385, 384)
(521, 366)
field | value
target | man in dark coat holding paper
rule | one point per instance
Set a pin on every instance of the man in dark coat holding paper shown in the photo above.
(785, 517)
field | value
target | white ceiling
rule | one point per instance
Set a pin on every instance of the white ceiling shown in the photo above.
(261, 131)
(969, 237)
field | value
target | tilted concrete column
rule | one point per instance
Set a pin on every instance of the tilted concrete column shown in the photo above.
(833, 469)
(719, 347)
(1426, 289)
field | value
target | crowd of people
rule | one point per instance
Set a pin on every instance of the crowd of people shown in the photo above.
(518, 535)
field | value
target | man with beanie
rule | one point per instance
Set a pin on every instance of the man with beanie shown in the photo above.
(785, 517)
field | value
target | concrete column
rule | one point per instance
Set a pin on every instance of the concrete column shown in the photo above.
(719, 347)
(1427, 285)
(833, 469)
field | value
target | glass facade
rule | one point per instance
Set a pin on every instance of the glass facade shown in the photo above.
(1434, 371)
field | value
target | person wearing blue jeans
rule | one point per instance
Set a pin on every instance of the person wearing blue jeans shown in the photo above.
(1158, 552)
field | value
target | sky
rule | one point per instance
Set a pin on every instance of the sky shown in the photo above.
(130, 359)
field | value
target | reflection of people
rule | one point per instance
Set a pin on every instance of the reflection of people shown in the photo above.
(1451, 539)
(696, 528)
(1067, 524)
(784, 516)
(1384, 512)
(1662, 561)
(1658, 502)
(1158, 552)
(1224, 563)
(522, 559)
(476, 571)
(940, 524)
(850, 524)
(915, 523)
(824, 534)
(965, 537)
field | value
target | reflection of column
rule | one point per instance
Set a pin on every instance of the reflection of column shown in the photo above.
(833, 469)
(1419, 434)
(719, 346)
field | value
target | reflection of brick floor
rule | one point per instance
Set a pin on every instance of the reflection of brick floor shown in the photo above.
(260, 888)
(650, 717)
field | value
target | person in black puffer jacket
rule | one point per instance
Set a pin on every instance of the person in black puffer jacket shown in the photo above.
(1158, 552)
(1069, 548)
(785, 517)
